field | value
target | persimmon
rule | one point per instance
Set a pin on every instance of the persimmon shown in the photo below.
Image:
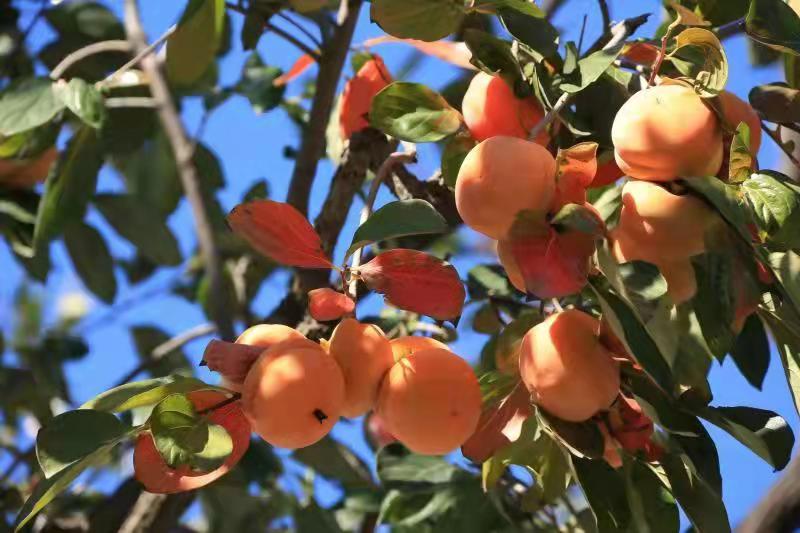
(664, 225)
(491, 109)
(666, 132)
(507, 261)
(566, 368)
(735, 110)
(608, 171)
(405, 346)
(261, 335)
(364, 354)
(25, 173)
(499, 178)
(358, 93)
(293, 394)
(431, 401)
(152, 471)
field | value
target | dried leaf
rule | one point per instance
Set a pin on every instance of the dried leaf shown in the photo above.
(327, 304)
(453, 52)
(417, 282)
(232, 361)
(301, 65)
(280, 232)
(640, 53)
(499, 425)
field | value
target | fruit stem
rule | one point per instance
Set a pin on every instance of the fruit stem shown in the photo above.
(409, 155)
(320, 415)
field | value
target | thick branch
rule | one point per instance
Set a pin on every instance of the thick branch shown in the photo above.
(779, 511)
(183, 151)
(312, 144)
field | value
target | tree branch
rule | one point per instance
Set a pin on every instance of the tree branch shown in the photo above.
(779, 511)
(183, 152)
(312, 144)
(88, 50)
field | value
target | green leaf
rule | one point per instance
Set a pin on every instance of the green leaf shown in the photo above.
(183, 438)
(775, 24)
(398, 219)
(142, 225)
(396, 466)
(579, 218)
(455, 151)
(494, 56)
(589, 69)
(751, 353)
(510, 339)
(787, 342)
(69, 186)
(47, 489)
(715, 301)
(71, 436)
(702, 504)
(786, 267)
(427, 20)
(653, 509)
(312, 518)
(533, 30)
(92, 261)
(740, 161)
(334, 460)
(192, 49)
(28, 104)
(83, 99)
(252, 29)
(604, 489)
(776, 102)
(413, 112)
(485, 281)
(143, 393)
(764, 432)
(773, 203)
(256, 84)
(582, 439)
(704, 58)
(725, 199)
(521, 6)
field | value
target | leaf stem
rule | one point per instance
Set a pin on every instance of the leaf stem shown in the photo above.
(385, 170)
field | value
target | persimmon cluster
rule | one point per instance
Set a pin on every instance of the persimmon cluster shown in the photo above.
(294, 390)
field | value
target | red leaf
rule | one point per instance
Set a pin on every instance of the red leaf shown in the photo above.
(301, 65)
(327, 304)
(454, 52)
(607, 171)
(575, 169)
(280, 232)
(358, 94)
(499, 426)
(641, 53)
(629, 425)
(231, 360)
(417, 282)
(553, 264)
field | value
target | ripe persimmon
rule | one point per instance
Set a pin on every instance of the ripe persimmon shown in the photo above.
(364, 356)
(491, 109)
(293, 394)
(666, 132)
(500, 177)
(566, 368)
(405, 346)
(507, 261)
(431, 401)
(735, 110)
(25, 173)
(358, 93)
(152, 471)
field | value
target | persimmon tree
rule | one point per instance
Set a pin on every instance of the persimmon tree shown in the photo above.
(639, 242)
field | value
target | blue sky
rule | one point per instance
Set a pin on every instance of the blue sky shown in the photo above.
(250, 147)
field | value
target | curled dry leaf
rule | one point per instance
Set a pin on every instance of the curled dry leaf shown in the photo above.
(358, 93)
(232, 361)
(326, 304)
(280, 232)
(301, 65)
(641, 53)
(416, 282)
(454, 52)
(499, 425)
(575, 170)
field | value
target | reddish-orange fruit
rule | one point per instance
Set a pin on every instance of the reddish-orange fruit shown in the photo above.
(430, 401)
(491, 109)
(376, 431)
(294, 394)
(629, 425)
(566, 368)
(405, 346)
(157, 477)
(358, 93)
(666, 132)
(501, 177)
(507, 261)
(664, 225)
(364, 355)
(608, 172)
(735, 110)
(25, 173)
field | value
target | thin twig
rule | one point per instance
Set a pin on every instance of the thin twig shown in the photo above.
(314, 39)
(149, 49)
(88, 50)
(288, 37)
(130, 101)
(397, 158)
(662, 53)
(312, 143)
(775, 136)
(183, 152)
(605, 14)
(235, 397)
(731, 28)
